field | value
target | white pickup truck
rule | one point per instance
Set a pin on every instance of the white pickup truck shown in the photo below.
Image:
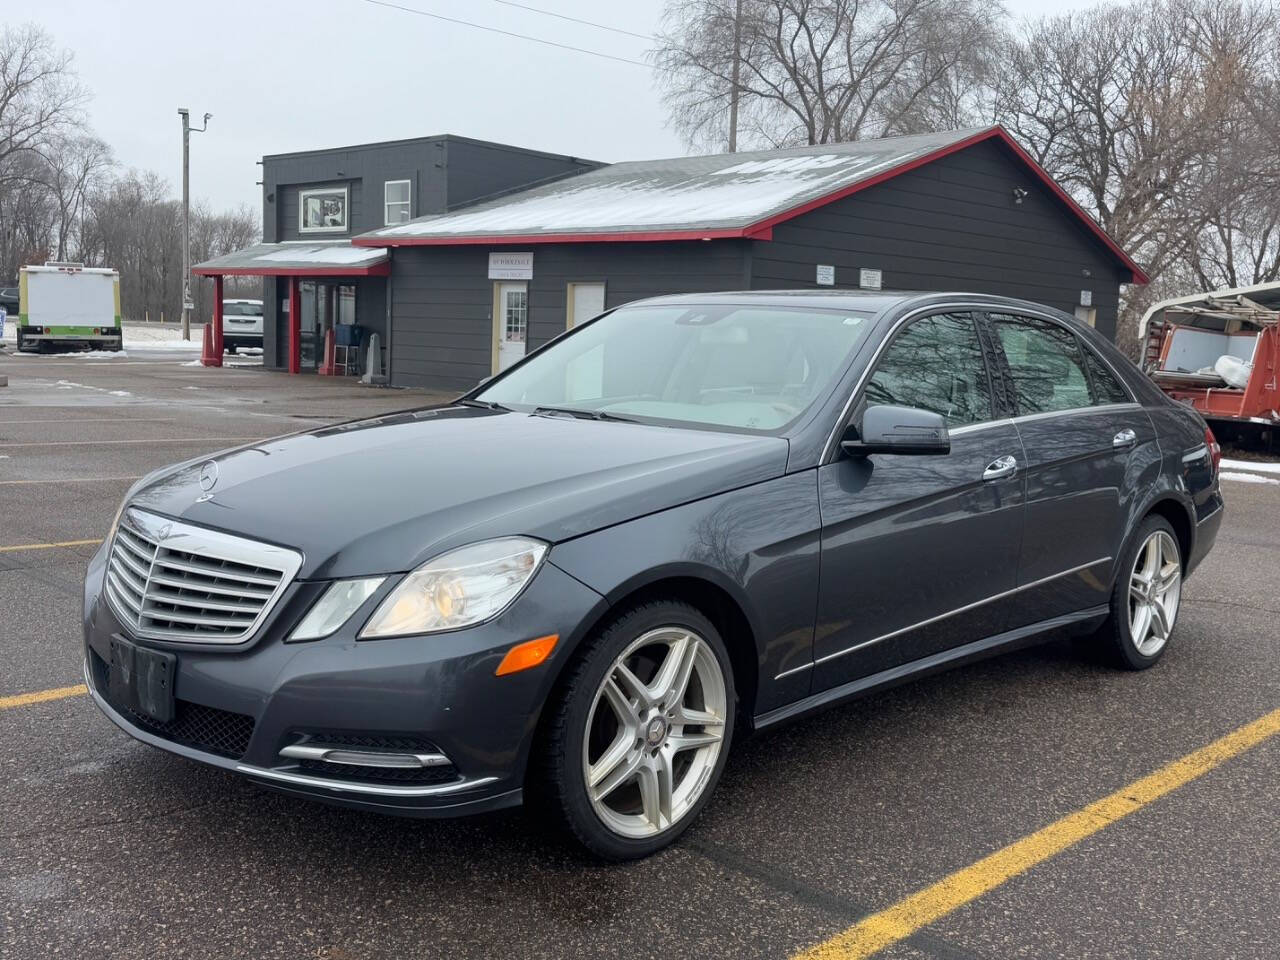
(241, 324)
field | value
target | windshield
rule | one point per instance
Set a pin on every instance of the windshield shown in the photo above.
(241, 309)
(720, 365)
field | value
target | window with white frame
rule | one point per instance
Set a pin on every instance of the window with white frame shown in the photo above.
(396, 204)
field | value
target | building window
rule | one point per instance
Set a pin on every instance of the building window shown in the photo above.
(395, 201)
(323, 210)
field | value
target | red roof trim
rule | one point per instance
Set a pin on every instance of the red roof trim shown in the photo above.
(763, 229)
(382, 269)
(652, 236)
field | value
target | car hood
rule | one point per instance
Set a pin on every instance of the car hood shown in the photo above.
(386, 494)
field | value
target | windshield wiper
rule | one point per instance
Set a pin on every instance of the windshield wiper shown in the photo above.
(580, 414)
(482, 404)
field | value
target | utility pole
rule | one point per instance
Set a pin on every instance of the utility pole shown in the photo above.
(737, 61)
(187, 130)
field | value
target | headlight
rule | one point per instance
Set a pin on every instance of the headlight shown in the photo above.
(462, 587)
(335, 607)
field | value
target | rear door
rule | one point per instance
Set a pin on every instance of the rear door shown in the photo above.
(1090, 450)
(919, 553)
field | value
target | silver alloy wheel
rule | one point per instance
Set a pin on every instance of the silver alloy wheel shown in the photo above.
(655, 732)
(1155, 587)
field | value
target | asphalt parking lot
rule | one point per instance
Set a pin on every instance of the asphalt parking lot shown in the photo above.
(109, 848)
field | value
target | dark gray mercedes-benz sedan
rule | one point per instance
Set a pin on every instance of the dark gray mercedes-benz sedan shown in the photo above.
(689, 517)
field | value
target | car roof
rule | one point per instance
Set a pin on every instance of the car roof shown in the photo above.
(870, 301)
(241, 300)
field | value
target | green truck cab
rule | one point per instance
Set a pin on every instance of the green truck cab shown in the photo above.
(68, 305)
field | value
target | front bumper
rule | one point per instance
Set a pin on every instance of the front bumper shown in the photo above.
(440, 689)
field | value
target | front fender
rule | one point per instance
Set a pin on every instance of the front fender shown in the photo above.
(759, 544)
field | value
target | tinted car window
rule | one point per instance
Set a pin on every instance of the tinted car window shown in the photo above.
(1045, 362)
(936, 364)
(241, 310)
(1106, 388)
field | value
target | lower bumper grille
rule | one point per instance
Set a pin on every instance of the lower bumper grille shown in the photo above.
(193, 725)
(342, 771)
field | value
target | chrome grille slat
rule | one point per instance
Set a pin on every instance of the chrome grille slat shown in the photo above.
(187, 584)
(170, 580)
(218, 573)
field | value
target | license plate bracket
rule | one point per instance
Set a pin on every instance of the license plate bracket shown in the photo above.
(142, 679)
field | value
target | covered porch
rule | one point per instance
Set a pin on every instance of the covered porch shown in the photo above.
(310, 288)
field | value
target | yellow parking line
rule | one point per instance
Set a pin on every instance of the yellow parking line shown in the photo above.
(15, 547)
(890, 926)
(42, 696)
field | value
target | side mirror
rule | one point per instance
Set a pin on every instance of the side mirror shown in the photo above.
(905, 430)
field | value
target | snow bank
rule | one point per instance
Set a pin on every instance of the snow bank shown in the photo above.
(1257, 466)
(1247, 478)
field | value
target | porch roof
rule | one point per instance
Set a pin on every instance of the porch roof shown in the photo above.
(300, 258)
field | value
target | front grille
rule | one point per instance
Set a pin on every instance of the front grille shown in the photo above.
(193, 725)
(173, 581)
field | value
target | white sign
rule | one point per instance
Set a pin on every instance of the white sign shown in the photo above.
(869, 279)
(826, 275)
(1086, 298)
(511, 266)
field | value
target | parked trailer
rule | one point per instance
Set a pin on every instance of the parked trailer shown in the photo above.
(1219, 352)
(68, 305)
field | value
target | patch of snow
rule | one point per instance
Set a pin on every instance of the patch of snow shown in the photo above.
(324, 253)
(119, 393)
(756, 190)
(1257, 466)
(1247, 477)
(193, 363)
(155, 337)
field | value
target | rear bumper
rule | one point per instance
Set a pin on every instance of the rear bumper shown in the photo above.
(106, 337)
(440, 689)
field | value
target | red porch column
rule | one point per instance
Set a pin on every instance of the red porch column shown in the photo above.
(295, 327)
(217, 316)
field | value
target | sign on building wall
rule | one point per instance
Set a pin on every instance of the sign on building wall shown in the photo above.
(511, 266)
(869, 279)
(826, 275)
(1086, 298)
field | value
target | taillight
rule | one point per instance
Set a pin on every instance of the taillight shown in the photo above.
(1215, 449)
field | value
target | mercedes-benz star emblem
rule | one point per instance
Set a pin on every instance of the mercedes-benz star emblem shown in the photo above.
(208, 475)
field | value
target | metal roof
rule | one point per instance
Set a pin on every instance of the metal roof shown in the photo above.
(710, 197)
(327, 258)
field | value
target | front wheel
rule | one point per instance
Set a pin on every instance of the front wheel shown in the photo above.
(638, 739)
(1146, 596)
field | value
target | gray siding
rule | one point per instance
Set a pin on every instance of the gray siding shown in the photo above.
(951, 225)
(442, 297)
(477, 170)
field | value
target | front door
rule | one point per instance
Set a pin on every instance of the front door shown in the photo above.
(512, 322)
(920, 553)
(1088, 444)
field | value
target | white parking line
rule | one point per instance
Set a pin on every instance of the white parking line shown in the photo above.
(62, 480)
(94, 420)
(98, 443)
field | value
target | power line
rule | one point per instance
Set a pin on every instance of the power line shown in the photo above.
(562, 16)
(506, 33)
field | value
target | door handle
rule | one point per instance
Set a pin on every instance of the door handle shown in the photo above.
(1000, 468)
(1125, 438)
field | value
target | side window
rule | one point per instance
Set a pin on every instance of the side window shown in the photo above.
(935, 363)
(1044, 359)
(1106, 388)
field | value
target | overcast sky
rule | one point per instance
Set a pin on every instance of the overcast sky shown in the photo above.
(282, 75)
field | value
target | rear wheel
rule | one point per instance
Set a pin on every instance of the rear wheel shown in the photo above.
(1146, 596)
(640, 735)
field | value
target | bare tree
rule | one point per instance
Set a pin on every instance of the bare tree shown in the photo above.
(823, 71)
(39, 95)
(73, 167)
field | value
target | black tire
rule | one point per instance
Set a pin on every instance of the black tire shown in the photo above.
(1114, 637)
(558, 785)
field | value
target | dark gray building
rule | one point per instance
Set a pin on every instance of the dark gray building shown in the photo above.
(476, 281)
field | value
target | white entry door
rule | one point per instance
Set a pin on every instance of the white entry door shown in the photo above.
(586, 300)
(513, 322)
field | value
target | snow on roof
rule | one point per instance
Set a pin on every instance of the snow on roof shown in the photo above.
(726, 192)
(312, 256)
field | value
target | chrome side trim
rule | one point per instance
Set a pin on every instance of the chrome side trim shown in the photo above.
(343, 786)
(787, 673)
(958, 610)
(979, 427)
(1077, 411)
(329, 753)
